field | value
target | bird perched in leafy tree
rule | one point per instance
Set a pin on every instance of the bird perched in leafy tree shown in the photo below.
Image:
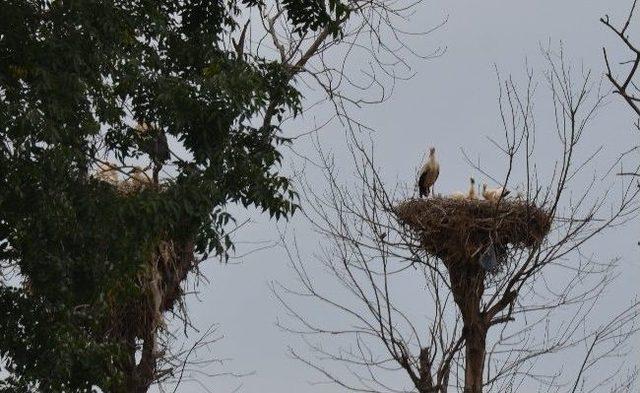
(428, 174)
(153, 141)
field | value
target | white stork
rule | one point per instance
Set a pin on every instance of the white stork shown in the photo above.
(153, 141)
(107, 172)
(428, 174)
(472, 189)
(138, 175)
(494, 194)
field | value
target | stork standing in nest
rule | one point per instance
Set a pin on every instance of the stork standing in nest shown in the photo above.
(428, 174)
(153, 141)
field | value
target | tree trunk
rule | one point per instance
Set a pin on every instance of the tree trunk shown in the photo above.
(474, 354)
(138, 378)
(142, 320)
(467, 285)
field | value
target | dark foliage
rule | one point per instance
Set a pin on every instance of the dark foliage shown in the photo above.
(314, 14)
(74, 76)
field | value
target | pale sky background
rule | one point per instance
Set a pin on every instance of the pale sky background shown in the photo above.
(450, 103)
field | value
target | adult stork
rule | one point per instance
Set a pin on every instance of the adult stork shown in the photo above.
(153, 141)
(428, 174)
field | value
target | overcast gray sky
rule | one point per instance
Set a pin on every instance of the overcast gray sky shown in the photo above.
(450, 103)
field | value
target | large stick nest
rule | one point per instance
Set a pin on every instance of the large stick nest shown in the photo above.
(461, 229)
(159, 279)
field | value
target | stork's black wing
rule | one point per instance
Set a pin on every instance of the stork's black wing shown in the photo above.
(423, 190)
(160, 148)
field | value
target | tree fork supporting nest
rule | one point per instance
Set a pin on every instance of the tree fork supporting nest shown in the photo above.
(455, 231)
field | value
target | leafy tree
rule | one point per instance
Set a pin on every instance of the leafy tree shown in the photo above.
(78, 78)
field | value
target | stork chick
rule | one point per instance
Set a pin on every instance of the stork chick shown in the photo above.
(138, 175)
(472, 189)
(494, 194)
(428, 174)
(107, 172)
(458, 195)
